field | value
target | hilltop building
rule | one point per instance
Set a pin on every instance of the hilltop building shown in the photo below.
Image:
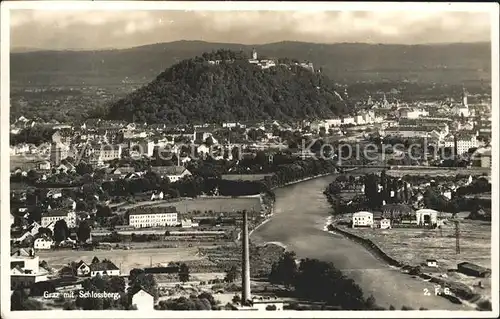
(268, 63)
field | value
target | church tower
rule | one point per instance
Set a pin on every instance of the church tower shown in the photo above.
(464, 97)
(254, 54)
(385, 102)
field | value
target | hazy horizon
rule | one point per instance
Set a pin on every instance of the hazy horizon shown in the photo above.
(29, 49)
(104, 30)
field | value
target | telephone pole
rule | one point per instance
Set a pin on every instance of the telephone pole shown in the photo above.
(245, 261)
(441, 224)
(457, 236)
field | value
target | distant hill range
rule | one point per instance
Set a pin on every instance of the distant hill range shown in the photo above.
(344, 62)
(227, 86)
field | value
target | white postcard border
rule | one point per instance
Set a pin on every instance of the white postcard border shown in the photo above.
(6, 6)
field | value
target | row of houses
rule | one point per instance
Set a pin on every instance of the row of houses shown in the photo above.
(92, 269)
(461, 142)
(26, 270)
(419, 218)
(137, 218)
(368, 117)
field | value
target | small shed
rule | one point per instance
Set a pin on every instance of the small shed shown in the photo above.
(431, 263)
(385, 223)
(471, 269)
(427, 217)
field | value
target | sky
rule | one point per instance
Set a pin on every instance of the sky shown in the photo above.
(59, 30)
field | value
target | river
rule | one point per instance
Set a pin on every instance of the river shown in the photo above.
(298, 221)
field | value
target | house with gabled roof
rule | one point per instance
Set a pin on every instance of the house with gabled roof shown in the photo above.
(26, 235)
(173, 173)
(143, 300)
(105, 268)
(130, 176)
(82, 269)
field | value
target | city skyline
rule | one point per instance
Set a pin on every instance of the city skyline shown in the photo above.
(94, 30)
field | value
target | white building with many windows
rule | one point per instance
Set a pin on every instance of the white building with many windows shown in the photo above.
(362, 219)
(42, 243)
(145, 218)
(413, 113)
(53, 216)
(103, 152)
(465, 142)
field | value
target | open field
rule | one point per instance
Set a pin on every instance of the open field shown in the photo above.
(124, 259)
(476, 171)
(414, 246)
(245, 177)
(22, 161)
(206, 204)
(218, 204)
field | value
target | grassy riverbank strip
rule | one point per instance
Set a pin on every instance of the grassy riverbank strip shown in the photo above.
(458, 292)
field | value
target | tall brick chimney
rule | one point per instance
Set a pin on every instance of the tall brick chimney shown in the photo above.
(245, 262)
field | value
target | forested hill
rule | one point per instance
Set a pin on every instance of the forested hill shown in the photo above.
(349, 63)
(195, 91)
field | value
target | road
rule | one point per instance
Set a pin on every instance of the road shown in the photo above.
(298, 222)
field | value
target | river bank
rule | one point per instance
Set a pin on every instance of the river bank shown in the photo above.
(303, 180)
(300, 211)
(271, 211)
(458, 292)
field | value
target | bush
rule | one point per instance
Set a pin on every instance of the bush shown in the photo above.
(415, 271)
(236, 299)
(69, 305)
(484, 305)
(271, 307)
